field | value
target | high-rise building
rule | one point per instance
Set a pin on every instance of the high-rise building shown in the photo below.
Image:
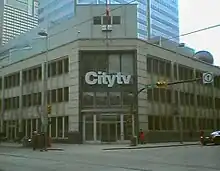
(161, 15)
(17, 17)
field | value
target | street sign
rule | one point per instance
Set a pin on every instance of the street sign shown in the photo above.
(207, 78)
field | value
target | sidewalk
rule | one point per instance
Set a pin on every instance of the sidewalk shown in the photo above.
(153, 145)
(16, 145)
(101, 147)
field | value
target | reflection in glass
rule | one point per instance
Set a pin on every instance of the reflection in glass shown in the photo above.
(114, 63)
(101, 99)
(127, 98)
(89, 131)
(101, 62)
(127, 64)
(115, 98)
(88, 99)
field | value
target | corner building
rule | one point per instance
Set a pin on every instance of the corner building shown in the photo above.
(107, 110)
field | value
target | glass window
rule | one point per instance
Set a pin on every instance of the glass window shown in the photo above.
(106, 20)
(97, 20)
(88, 99)
(101, 62)
(115, 98)
(127, 98)
(114, 63)
(116, 20)
(101, 98)
(89, 63)
(127, 64)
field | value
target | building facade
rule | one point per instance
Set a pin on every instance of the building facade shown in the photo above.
(92, 89)
(17, 17)
(162, 16)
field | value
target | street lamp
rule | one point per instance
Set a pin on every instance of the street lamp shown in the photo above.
(177, 112)
(44, 118)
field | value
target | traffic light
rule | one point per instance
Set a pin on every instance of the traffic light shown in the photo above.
(49, 108)
(161, 84)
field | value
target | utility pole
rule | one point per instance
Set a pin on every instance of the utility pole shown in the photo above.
(44, 104)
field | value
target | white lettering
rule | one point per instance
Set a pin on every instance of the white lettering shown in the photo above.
(90, 78)
(100, 77)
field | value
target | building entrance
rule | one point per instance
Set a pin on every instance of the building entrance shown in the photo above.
(108, 132)
(107, 128)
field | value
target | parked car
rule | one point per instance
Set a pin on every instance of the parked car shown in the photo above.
(213, 138)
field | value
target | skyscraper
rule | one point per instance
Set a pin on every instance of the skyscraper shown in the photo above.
(161, 16)
(17, 17)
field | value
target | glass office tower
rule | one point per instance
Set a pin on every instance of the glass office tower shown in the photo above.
(161, 16)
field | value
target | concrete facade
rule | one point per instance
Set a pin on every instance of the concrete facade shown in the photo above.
(146, 107)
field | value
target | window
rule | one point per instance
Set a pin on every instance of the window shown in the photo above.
(106, 20)
(101, 99)
(115, 98)
(97, 20)
(127, 98)
(127, 64)
(60, 95)
(114, 63)
(88, 99)
(116, 20)
(66, 94)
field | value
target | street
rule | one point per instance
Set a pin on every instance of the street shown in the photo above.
(93, 158)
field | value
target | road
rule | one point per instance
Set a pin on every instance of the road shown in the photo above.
(189, 158)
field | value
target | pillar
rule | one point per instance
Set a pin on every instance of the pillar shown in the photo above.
(94, 128)
(122, 127)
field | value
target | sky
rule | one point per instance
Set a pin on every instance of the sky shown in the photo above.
(197, 14)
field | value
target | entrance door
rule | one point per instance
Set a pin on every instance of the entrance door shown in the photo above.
(108, 132)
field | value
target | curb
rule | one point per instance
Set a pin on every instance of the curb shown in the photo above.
(55, 149)
(142, 147)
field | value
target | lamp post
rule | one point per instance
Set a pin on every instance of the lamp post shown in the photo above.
(177, 112)
(44, 118)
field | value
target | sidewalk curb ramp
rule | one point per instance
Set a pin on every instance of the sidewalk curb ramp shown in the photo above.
(142, 147)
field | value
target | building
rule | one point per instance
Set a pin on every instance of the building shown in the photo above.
(163, 20)
(93, 84)
(16, 18)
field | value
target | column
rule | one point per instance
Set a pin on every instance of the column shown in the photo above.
(7, 128)
(56, 127)
(2, 106)
(36, 124)
(20, 103)
(26, 123)
(84, 128)
(31, 126)
(133, 126)
(50, 127)
(63, 126)
(122, 126)
(94, 128)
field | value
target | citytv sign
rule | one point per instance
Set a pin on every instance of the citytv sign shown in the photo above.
(101, 78)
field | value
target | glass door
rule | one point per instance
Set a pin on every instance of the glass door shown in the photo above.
(108, 132)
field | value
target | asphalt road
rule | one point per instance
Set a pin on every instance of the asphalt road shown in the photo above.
(190, 158)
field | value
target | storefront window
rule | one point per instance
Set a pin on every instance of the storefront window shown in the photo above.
(115, 98)
(101, 99)
(114, 63)
(88, 99)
